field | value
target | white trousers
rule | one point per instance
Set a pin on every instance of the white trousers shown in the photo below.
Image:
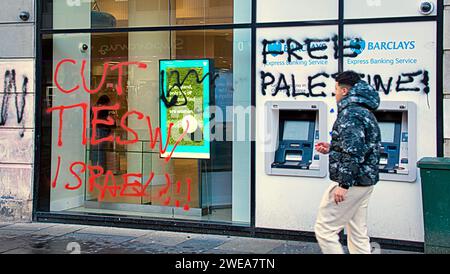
(350, 214)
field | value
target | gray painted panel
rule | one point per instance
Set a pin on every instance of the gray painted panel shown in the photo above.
(9, 13)
(16, 146)
(16, 182)
(17, 40)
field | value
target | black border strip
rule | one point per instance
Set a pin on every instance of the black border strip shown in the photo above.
(38, 109)
(341, 35)
(143, 29)
(253, 118)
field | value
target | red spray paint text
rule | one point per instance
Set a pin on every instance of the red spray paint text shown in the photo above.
(131, 185)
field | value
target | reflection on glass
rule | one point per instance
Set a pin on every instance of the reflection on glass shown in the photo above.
(142, 13)
(126, 174)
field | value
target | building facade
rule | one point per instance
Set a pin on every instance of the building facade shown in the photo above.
(17, 92)
(173, 114)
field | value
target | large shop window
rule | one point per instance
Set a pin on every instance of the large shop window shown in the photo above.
(67, 14)
(104, 148)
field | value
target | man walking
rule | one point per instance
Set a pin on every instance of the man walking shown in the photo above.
(354, 156)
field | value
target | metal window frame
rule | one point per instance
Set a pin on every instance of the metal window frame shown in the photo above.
(221, 228)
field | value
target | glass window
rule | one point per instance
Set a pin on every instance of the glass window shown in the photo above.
(296, 10)
(59, 14)
(102, 145)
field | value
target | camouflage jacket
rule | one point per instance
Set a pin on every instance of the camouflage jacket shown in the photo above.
(356, 141)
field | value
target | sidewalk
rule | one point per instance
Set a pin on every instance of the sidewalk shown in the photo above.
(47, 238)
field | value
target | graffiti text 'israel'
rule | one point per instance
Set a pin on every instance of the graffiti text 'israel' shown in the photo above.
(105, 182)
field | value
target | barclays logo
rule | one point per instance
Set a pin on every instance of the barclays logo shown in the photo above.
(359, 45)
(275, 47)
(283, 47)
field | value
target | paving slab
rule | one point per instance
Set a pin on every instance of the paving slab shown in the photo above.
(100, 238)
(127, 232)
(199, 245)
(220, 251)
(296, 248)
(28, 226)
(164, 238)
(59, 230)
(13, 233)
(5, 224)
(250, 245)
(7, 244)
(141, 248)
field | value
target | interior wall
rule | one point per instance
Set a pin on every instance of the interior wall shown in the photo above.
(68, 46)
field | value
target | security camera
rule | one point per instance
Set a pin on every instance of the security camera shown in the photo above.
(426, 7)
(24, 16)
(83, 47)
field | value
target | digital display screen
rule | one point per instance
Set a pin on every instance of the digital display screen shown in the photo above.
(387, 132)
(296, 131)
(185, 113)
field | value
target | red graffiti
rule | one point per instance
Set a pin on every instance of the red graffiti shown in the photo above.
(108, 122)
(57, 172)
(154, 138)
(105, 182)
(62, 109)
(55, 80)
(106, 69)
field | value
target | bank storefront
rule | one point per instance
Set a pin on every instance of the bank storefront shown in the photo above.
(201, 115)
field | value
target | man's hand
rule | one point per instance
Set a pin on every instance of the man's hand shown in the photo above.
(323, 148)
(339, 195)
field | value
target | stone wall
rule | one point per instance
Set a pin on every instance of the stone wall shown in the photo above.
(17, 88)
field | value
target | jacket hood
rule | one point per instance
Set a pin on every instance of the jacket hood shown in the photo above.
(361, 94)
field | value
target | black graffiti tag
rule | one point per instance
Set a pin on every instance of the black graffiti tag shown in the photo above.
(173, 101)
(292, 48)
(406, 82)
(268, 79)
(10, 90)
(311, 46)
(353, 47)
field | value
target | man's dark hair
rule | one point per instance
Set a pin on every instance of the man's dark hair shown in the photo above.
(348, 78)
(103, 100)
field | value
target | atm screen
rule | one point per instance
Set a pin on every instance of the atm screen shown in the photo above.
(296, 131)
(387, 132)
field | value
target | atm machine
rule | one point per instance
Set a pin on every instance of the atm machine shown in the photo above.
(292, 130)
(398, 126)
